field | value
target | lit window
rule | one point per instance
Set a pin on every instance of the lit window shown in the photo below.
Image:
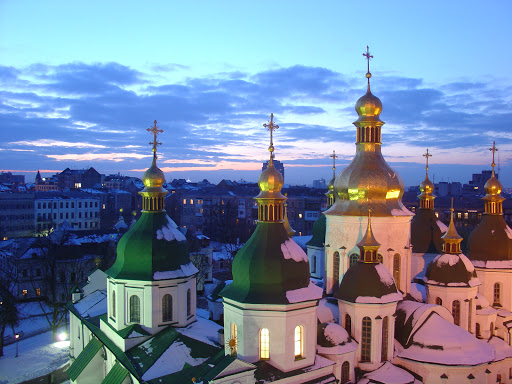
(300, 215)
(456, 312)
(38, 291)
(437, 215)
(264, 344)
(466, 215)
(134, 309)
(25, 292)
(184, 201)
(298, 341)
(167, 308)
(459, 215)
(366, 340)
(191, 201)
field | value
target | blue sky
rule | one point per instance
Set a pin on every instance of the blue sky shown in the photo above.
(80, 82)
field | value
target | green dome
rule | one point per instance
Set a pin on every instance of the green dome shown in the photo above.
(153, 249)
(267, 266)
(319, 227)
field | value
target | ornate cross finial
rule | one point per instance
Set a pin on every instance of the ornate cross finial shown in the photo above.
(494, 150)
(427, 155)
(368, 57)
(334, 156)
(271, 127)
(155, 131)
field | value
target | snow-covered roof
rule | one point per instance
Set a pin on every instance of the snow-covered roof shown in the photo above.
(93, 304)
(170, 232)
(418, 292)
(328, 311)
(389, 374)
(502, 349)
(183, 271)
(311, 292)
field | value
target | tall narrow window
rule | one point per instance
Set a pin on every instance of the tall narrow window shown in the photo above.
(396, 269)
(353, 259)
(439, 301)
(491, 329)
(313, 264)
(264, 344)
(167, 308)
(113, 304)
(134, 309)
(233, 342)
(345, 372)
(477, 330)
(456, 312)
(189, 299)
(366, 340)
(470, 315)
(348, 324)
(385, 341)
(497, 294)
(336, 269)
(298, 341)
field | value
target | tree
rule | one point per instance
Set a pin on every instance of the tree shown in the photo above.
(9, 313)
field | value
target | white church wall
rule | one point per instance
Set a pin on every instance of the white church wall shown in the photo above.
(316, 256)
(489, 277)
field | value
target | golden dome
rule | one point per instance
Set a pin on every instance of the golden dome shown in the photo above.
(493, 187)
(270, 182)
(368, 106)
(330, 184)
(153, 177)
(427, 186)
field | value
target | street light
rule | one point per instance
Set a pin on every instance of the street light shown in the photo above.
(16, 337)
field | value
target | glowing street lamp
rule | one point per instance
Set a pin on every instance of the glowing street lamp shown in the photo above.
(16, 337)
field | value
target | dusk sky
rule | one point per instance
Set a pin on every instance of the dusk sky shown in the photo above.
(81, 81)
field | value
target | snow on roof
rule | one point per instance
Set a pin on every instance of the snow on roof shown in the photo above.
(338, 349)
(302, 240)
(170, 232)
(380, 300)
(291, 250)
(442, 226)
(497, 264)
(311, 292)
(328, 312)
(508, 231)
(93, 304)
(401, 212)
(388, 374)
(384, 275)
(184, 271)
(440, 342)
(336, 334)
(486, 311)
(172, 360)
(481, 301)
(503, 350)
(33, 253)
(418, 292)
(203, 330)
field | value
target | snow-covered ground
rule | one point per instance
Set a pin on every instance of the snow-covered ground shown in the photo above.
(37, 356)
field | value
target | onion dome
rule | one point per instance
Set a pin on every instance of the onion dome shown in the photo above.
(491, 240)
(368, 183)
(319, 227)
(270, 265)
(451, 239)
(427, 189)
(368, 281)
(451, 270)
(153, 248)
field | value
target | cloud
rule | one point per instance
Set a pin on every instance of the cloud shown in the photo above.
(56, 143)
(115, 157)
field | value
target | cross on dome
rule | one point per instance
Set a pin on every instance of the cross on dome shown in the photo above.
(427, 155)
(155, 131)
(334, 156)
(494, 150)
(368, 58)
(271, 126)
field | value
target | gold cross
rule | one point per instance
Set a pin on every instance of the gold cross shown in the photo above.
(368, 57)
(334, 157)
(427, 155)
(271, 127)
(155, 131)
(494, 150)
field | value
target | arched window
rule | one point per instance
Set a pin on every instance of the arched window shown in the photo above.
(299, 335)
(396, 269)
(189, 305)
(380, 259)
(134, 309)
(264, 344)
(345, 372)
(456, 312)
(167, 308)
(336, 269)
(385, 341)
(233, 342)
(353, 259)
(478, 331)
(113, 311)
(497, 294)
(366, 340)
(439, 301)
(348, 324)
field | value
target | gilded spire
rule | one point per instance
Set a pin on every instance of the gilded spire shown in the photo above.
(368, 246)
(270, 199)
(330, 185)
(451, 239)
(153, 194)
(426, 188)
(368, 58)
(493, 199)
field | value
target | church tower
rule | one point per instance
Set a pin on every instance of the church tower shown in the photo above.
(152, 282)
(270, 308)
(451, 280)
(490, 246)
(368, 183)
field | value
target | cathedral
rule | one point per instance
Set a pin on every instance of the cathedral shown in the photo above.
(381, 296)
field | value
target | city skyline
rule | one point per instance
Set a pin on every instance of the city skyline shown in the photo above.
(81, 83)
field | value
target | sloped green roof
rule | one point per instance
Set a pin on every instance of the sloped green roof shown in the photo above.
(143, 250)
(125, 332)
(116, 375)
(261, 273)
(84, 358)
(319, 228)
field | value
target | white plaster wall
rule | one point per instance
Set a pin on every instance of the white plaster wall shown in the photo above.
(391, 232)
(489, 277)
(281, 321)
(339, 360)
(357, 311)
(466, 297)
(317, 254)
